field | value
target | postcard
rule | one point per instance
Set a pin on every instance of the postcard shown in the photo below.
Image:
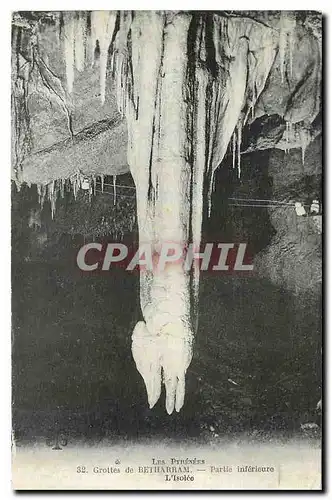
(166, 250)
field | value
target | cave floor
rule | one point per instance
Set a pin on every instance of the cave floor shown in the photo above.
(256, 370)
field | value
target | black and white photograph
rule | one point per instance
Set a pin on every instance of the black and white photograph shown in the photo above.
(166, 249)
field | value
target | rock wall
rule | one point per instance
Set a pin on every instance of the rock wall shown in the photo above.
(293, 258)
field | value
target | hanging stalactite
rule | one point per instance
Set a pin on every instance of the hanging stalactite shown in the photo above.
(39, 192)
(305, 140)
(114, 189)
(52, 196)
(287, 26)
(233, 150)
(102, 28)
(288, 135)
(239, 142)
(80, 24)
(69, 48)
(62, 187)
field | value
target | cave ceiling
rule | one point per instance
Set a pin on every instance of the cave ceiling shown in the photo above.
(62, 119)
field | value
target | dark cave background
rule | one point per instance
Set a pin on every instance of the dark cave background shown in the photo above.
(257, 360)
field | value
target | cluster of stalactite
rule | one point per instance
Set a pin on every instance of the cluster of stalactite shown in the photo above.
(116, 221)
(299, 134)
(56, 189)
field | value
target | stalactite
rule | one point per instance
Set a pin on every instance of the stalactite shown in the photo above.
(102, 183)
(125, 20)
(252, 85)
(73, 188)
(239, 142)
(305, 139)
(233, 150)
(75, 182)
(18, 184)
(52, 196)
(122, 76)
(291, 39)
(80, 40)
(43, 190)
(291, 133)
(69, 48)
(214, 182)
(102, 28)
(230, 94)
(288, 135)
(209, 202)
(62, 187)
(282, 46)
(114, 189)
(94, 180)
(287, 25)
(39, 188)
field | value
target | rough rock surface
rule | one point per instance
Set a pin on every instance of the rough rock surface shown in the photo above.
(293, 258)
